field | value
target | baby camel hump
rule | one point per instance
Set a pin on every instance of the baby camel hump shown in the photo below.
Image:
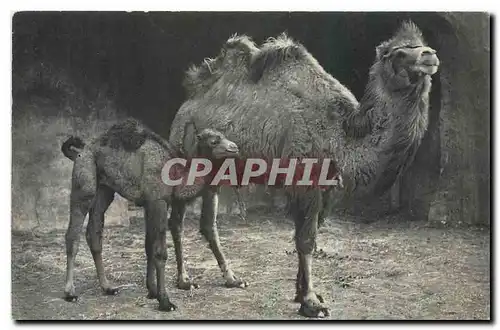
(131, 163)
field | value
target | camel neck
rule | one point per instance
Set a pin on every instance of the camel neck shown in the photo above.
(387, 131)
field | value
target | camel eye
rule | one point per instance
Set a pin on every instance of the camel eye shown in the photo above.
(214, 142)
(399, 54)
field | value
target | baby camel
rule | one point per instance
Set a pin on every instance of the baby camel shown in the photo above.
(128, 159)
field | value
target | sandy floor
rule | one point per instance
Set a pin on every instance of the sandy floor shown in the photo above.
(382, 270)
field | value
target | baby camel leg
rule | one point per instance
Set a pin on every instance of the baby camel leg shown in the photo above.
(156, 248)
(83, 189)
(176, 226)
(103, 199)
(208, 228)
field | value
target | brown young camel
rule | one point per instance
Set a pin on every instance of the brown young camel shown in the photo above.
(128, 159)
(277, 101)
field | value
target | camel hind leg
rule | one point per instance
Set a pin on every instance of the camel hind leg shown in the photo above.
(156, 249)
(83, 190)
(104, 197)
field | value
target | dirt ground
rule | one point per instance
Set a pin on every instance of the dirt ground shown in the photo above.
(388, 269)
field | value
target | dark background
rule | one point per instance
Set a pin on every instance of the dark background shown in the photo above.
(137, 61)
(142, 57)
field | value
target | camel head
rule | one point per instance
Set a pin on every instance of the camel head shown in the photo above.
(215, 144)
(405, 59)
(207, 143)
(233, 59)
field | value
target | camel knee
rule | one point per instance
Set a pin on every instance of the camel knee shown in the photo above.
(161, 255)
(305, 245)
(71, 243)
(305, 248)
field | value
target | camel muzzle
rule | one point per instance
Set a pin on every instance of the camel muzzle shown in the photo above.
(428, 63)
(230, 148)
(428, 57)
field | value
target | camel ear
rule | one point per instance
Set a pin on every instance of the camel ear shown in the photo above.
(189, 142)
(382, 51)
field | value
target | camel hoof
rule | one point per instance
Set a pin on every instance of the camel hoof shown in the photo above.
(111, 291)
(237, 284)
(166, 305)
(313, 308)
(71, 298)
(187, 285)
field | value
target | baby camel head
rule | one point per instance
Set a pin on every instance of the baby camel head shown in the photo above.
(215, 145)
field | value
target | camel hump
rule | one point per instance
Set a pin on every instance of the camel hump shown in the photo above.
(243, 43)
(128, 135)
(287, 64)
(277, 52)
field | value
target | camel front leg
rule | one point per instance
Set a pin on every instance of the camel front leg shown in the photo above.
(306, 225)
(299, 284)
(208, 228)
(176, 226)
(156, 228)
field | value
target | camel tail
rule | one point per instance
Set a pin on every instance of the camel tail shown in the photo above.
(72, 147)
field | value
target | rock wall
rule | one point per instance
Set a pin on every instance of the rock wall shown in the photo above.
(449, 182)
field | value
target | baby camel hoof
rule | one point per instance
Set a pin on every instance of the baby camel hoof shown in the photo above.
(237, 284)
(111, 291)
(187, 285)
(166, 305)
(71, 298)
(311, 308)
